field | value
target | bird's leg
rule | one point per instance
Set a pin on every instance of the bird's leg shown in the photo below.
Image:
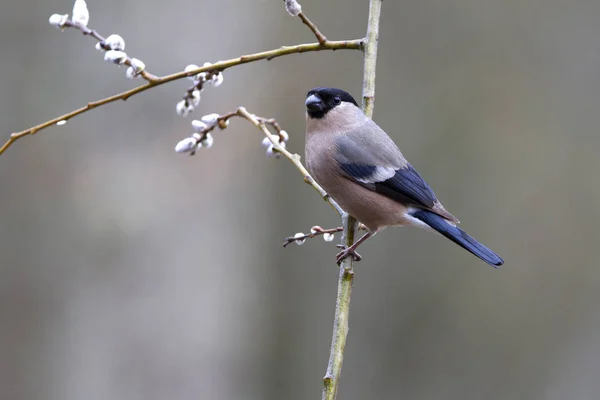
(351, 250)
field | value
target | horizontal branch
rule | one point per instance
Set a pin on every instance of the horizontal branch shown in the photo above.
(356, 44)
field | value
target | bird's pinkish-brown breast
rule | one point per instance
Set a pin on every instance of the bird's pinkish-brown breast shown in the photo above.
(370, 208)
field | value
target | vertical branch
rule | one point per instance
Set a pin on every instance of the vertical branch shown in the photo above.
(331, 380)
(371, 42)
(346, 278)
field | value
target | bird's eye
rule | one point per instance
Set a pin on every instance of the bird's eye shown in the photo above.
(337, 100)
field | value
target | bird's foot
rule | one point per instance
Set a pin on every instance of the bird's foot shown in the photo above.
(346, 252)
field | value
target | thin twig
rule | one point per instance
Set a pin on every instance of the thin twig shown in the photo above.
(346, 277)
(320, 37)
(314, 232)
(294, 158)
(277, 142)
(317, 231)
(101, 39)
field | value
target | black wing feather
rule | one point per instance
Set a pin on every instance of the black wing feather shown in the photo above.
(371, 163)
(406, 185)
(358, 171)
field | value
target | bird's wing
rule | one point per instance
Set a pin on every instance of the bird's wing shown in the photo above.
(373, 160)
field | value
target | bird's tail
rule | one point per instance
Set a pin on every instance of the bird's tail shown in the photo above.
(458, 236)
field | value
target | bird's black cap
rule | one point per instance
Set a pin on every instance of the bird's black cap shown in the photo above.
(321, 100)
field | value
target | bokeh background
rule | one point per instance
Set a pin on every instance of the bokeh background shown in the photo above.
(130, 272)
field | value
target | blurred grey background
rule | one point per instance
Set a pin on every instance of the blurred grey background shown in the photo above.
(130, 272)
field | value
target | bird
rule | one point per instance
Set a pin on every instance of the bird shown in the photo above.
(363, 170)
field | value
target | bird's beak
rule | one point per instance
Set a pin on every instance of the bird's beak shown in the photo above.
(313, 103)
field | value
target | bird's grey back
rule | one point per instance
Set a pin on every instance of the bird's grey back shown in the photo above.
(368, 144)
(347, 127)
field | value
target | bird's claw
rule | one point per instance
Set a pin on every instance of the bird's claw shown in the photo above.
(348, 251)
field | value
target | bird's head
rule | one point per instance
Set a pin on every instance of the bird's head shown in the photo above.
(321, 100)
